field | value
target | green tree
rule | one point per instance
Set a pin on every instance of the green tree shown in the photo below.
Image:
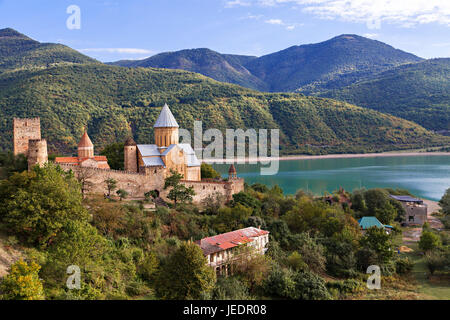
(208, 172)
(230, 288)
(185, 275)
(295, 261)
(178, 192)
(123, 194)
(445, 202)
(309, 286)
(36, 205)
(429, 241)
(380, 242)
(22, 282)
(111, 185)
(11, 163)
(114, 153)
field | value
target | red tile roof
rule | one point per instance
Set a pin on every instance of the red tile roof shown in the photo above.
(85, 141)
(229, 240)
(102, 161)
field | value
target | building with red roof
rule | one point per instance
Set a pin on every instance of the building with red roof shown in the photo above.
(220, 250)
(86, 157)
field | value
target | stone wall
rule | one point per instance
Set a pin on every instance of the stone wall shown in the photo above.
(137, 184)
(23, 131)
(205, 188)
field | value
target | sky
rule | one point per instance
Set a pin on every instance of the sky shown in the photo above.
(111, 30)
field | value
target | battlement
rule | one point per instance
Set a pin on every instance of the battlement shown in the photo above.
(74, 166)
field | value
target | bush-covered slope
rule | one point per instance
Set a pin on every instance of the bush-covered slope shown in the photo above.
(418, 92)
(225, 68)
(17, 51)
(114, 101)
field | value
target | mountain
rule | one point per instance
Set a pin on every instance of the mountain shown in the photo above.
(307, 68)
(221, 67)
(330, 64)
(418, 92)
(113, 102)
(20, 51)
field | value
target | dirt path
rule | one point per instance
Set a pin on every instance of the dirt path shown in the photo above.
(433, 206)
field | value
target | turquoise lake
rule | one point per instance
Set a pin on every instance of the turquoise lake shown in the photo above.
(424, 176)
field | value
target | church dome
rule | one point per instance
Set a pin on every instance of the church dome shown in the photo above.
(85, 141)
(232, 169)
(130, 142)
(166, 119)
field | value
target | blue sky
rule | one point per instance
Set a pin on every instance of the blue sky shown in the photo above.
(134, 29)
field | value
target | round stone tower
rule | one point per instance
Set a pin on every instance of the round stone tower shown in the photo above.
(85, 147)
(130, 155)
(166, 128)
(37, 153)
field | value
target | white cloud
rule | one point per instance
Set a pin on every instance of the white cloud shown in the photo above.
(370, 35)
(275, 21)
(404, 13)
(236, 3)
(117, 50)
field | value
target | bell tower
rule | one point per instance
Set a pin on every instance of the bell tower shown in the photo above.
(85, 147)
(166, 128)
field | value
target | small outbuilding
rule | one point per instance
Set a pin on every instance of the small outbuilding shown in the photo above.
(369, 222)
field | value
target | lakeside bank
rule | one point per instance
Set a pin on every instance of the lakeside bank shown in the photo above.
(327, 156)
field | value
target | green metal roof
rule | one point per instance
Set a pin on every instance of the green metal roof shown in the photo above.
(368, 222)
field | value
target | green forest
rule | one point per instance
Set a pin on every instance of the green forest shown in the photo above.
(418, 92)
(125, 251)
(115, 102)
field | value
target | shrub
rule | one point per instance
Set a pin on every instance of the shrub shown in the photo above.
(429, 241)
(309, 286)
(230, 288)
(22, 282)
(404, 265)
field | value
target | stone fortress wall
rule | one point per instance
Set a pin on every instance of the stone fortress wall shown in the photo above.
(137, 184)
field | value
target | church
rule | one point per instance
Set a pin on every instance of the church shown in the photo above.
(146, 166)
(166, 153)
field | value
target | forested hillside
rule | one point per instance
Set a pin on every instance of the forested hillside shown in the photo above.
(70, 91)
(418, 92)
(113, 102)
(17, 51)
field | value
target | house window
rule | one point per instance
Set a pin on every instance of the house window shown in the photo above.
(411, 218)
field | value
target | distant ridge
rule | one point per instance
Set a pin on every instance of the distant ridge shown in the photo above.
(334, 63)
(20, 51)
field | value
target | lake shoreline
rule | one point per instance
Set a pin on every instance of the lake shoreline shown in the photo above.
(328, 156)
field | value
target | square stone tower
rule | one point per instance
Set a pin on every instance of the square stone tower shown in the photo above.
(25, 130)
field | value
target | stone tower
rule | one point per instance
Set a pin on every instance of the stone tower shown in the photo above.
(130, 155)
(166, 128)
(37, 153)
(23, 131)
(232, 174)
(85, 147)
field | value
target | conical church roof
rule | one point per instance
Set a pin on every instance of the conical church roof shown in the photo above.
(85, 141)
(166, 119)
